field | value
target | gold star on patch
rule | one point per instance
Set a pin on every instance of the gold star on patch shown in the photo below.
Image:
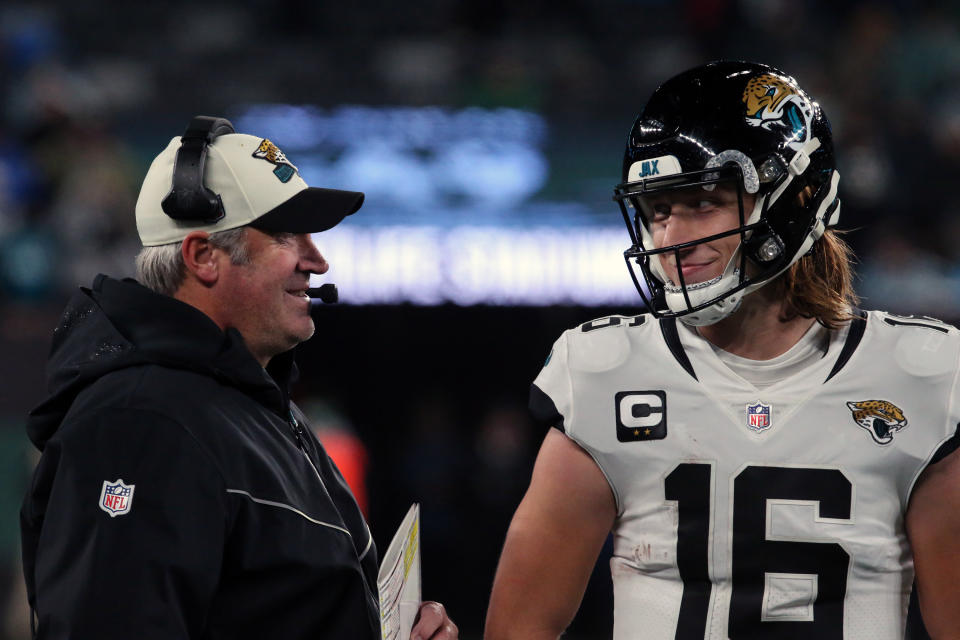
(646, 432)
(636, 432)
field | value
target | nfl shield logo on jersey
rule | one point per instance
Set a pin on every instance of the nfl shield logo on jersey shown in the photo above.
(116, 498)
(758, 416)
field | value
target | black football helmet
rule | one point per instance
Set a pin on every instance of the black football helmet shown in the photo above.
(743, 123)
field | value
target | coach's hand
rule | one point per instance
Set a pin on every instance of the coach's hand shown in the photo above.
(433, 623)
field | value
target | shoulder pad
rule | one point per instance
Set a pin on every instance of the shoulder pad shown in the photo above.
(613, 321)
(921, 346)
(593, 350)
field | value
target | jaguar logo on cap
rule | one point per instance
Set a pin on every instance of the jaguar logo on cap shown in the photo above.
(271, 153)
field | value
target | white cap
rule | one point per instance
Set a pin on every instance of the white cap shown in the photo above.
(256, 184)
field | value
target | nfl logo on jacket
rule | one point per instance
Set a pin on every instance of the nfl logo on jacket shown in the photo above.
(116, 497)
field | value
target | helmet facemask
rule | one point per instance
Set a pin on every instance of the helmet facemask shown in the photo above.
(760, 257)
(686, 299)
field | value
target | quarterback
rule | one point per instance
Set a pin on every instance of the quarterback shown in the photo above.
(772, 461)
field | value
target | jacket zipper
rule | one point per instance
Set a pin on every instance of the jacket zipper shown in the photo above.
(298, 434)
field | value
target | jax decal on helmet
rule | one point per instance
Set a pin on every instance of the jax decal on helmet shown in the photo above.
(744, 124)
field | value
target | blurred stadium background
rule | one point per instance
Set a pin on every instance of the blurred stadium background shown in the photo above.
(488, 136)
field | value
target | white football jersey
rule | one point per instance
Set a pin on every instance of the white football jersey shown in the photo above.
(746, 513)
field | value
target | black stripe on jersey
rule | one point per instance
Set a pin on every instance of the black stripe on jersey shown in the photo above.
(857, 326)
(901, 323)
(668, 327)
(543, 409)
(947, 447)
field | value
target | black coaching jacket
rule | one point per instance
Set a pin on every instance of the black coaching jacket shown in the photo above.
(179, 493)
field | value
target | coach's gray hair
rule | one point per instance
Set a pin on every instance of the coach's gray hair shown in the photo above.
(162, 269)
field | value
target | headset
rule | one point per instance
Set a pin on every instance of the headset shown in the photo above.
(188, 199)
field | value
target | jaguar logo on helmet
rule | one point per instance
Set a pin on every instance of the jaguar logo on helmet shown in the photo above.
(773, 104)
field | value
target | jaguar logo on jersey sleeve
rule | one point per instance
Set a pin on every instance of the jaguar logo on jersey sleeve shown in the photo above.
(880, 418)
(641, 415)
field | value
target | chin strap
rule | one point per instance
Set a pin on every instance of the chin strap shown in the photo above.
(801, 160)
(820, 224)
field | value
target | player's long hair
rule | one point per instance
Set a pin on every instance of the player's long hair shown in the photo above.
(820, 284)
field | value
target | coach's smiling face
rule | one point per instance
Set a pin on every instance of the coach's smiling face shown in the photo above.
(268, 293)
(263, 295)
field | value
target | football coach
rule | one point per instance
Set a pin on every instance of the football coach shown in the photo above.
(180, 493)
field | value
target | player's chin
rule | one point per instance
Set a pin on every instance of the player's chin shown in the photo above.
(701, 272)
(693, 280)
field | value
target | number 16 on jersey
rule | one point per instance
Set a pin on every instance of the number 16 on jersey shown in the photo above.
(761, 566)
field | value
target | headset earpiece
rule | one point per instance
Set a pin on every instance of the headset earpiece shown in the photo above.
(188, 199)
